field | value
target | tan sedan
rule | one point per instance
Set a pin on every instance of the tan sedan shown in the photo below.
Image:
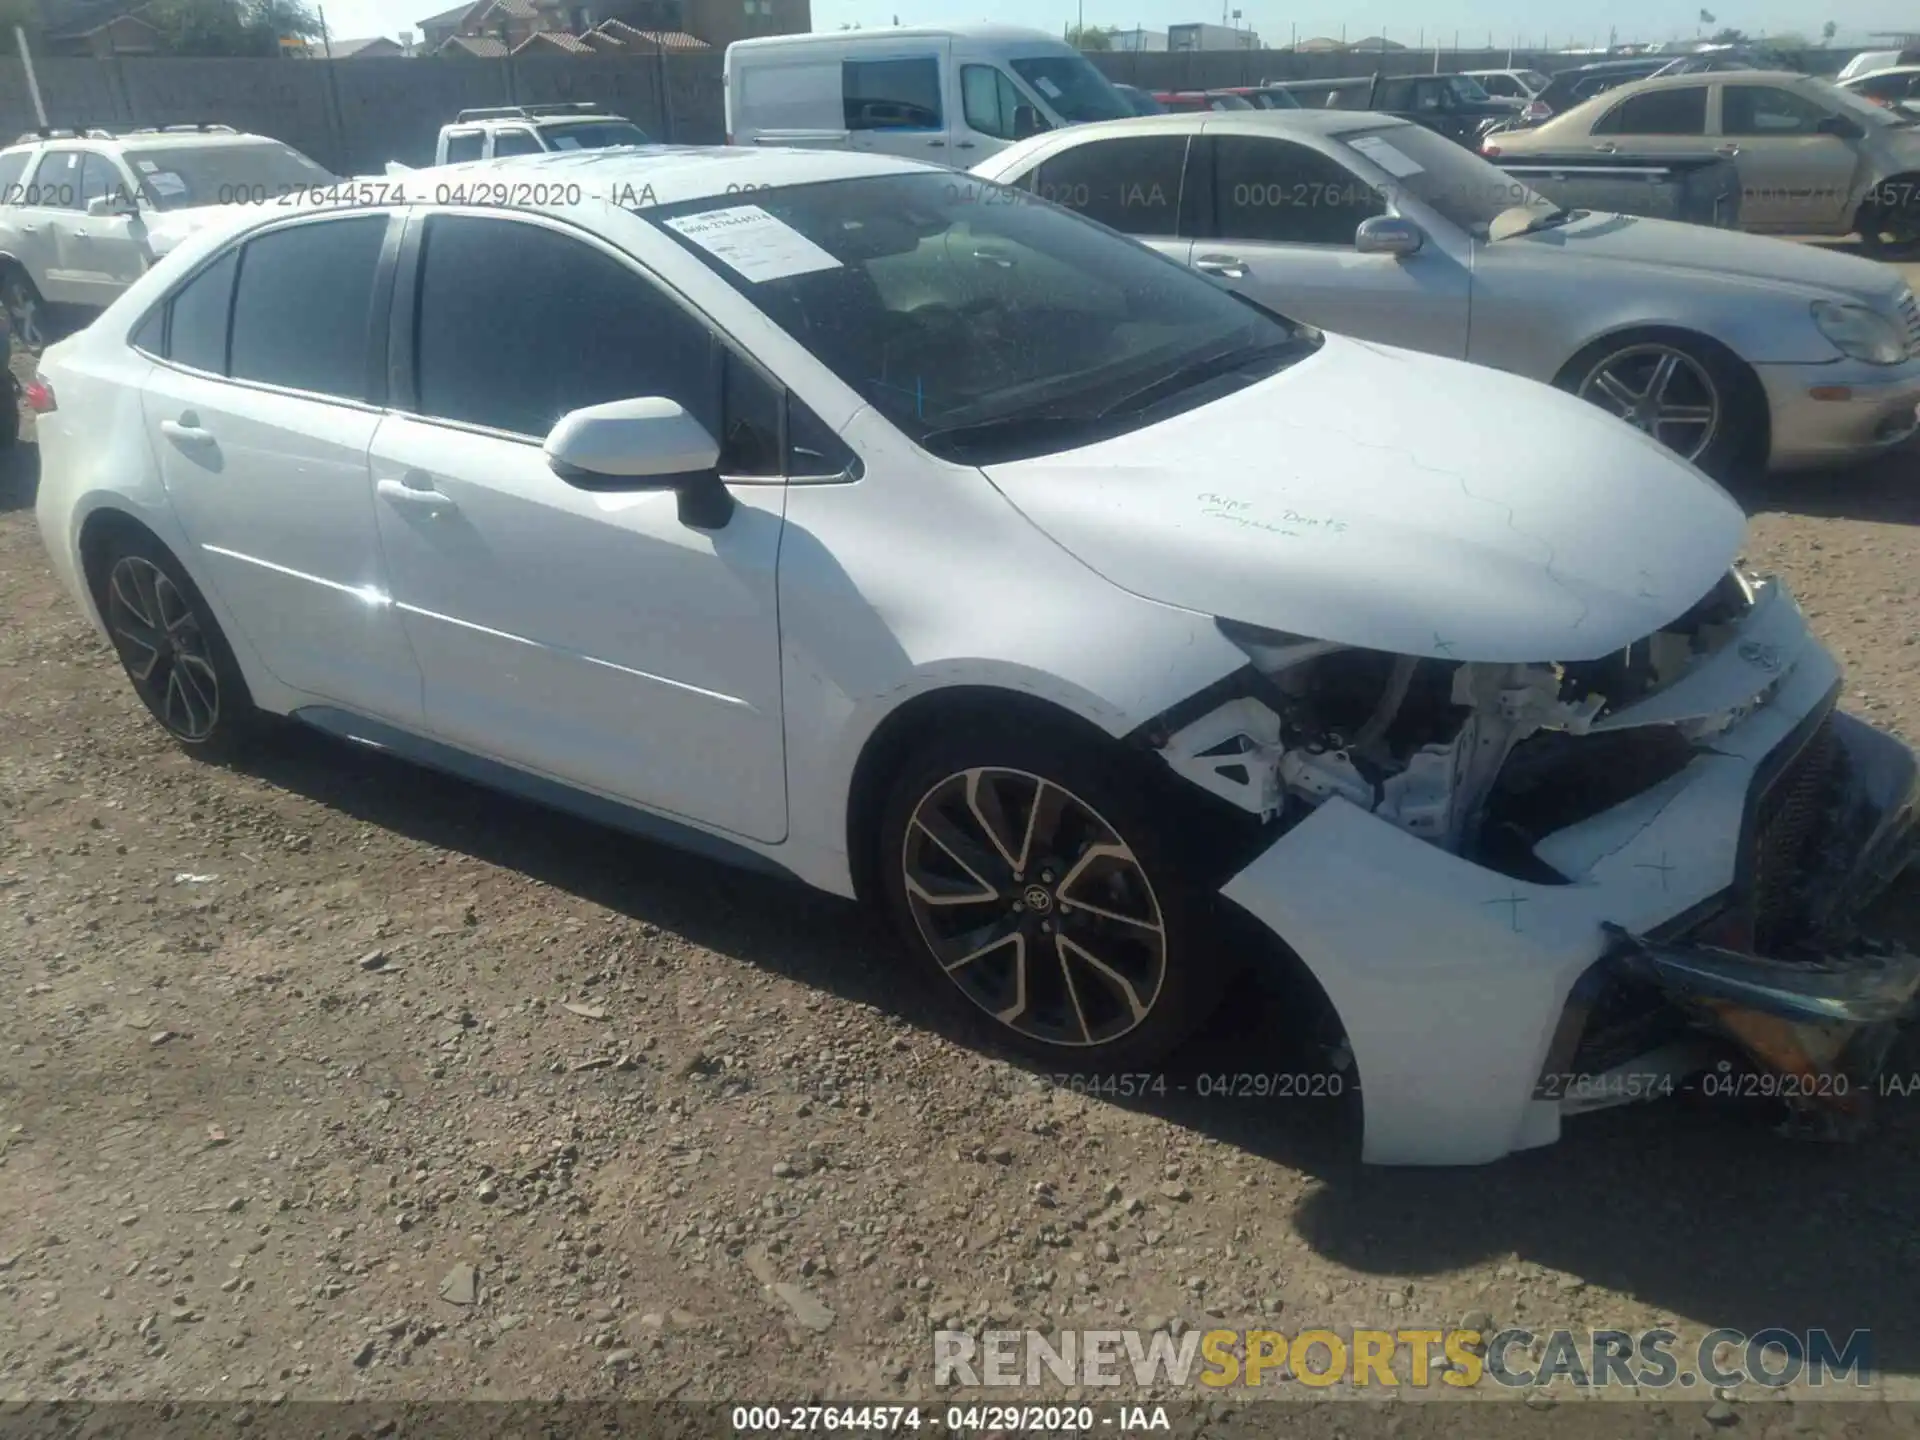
(1813, 159)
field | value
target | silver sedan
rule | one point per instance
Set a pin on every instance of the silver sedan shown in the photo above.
(1734, 350)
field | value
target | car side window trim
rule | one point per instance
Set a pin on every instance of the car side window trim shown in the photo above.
(382, 284)
(403, 338)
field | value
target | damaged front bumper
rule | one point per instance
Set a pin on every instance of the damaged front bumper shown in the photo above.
(1731, 887)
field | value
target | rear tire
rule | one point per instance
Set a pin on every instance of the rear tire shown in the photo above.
(172, 648)
(1028, 869)
(1692, 395)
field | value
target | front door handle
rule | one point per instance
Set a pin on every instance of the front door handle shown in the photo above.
(1726, 149)
(1227, 267)
(186, 431)
(414, 496)
(935, 144)
(1607, 149)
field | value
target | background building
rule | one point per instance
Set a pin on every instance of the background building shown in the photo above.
(1210, 37)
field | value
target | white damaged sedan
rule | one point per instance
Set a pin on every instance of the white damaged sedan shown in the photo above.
(958, 554)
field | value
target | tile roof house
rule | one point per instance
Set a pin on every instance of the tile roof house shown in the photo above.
(96, 28)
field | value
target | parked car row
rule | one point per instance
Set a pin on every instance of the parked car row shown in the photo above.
(1073, 600)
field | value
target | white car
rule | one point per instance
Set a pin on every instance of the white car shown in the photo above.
(80, 210)
(1737, 352)
(843, 515)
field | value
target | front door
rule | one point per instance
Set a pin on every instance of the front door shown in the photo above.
(262, 443)
(895, 101)
(49, 206)
(101, 255)
(588, 636)
(1793, 178)
(1277, 220)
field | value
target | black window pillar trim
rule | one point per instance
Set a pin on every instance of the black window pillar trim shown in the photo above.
(379, 382)
(1197, 219)
(403, 317)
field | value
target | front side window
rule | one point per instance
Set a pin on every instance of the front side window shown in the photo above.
(1078, 93)
(465, 145)
(1132, 184)
(565, 326)
(303, 306)
(892, 94)
(1282, 193)
(1680, 111)
(1766, 110)
(981, 324)
(1502, 85)
(516, 142)
(100, 178)
(989, 100)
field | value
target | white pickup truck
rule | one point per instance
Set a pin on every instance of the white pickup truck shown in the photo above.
(532, 129)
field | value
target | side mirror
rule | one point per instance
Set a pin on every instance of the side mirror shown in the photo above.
(1388, 235)
(1841, 127)
(649, 444)
(102, 207)
(1026, 122)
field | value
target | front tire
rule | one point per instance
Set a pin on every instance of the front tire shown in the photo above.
(1025, 868)
(172, 648)
(1889, 220)
(26, 311)
(1690, 395)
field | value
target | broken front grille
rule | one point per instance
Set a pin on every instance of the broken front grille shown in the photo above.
(1792, 820)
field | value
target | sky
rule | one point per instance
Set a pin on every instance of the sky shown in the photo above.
(1562, 23)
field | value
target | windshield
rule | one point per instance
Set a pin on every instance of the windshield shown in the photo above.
(594, 135)
(1533, 80)
(983, 322)
(1445, 177)
(1859, 107)
(249, 173)
(1078, 93)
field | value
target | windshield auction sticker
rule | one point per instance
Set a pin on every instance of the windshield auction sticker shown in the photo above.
(755, 243)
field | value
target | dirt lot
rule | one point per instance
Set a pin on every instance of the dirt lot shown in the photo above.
(330, 1078)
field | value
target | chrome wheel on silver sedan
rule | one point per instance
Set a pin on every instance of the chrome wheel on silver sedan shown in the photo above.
(1662, 390)
(165, 652)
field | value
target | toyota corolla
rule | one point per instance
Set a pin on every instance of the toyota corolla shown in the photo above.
(940, 547)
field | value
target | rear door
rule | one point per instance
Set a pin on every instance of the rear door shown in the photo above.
(261, 412)
(1668, 121)
(1792, 177)
(894, 99)
(1276, 219)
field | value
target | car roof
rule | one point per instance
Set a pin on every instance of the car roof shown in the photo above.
(1716, 77)
(834, 39)
(1873, 74)
(1288, 122)
(151, 140)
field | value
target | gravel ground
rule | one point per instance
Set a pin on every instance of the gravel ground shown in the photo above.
(331, 1078)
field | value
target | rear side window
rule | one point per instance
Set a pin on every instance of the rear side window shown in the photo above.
(303, 305)
(197, 331)
(1767, 110)
(1130, 184)
(892, 94)
(1658, 112)
(465, 145)
(12, 168)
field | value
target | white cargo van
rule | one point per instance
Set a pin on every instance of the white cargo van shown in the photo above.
(950, 94)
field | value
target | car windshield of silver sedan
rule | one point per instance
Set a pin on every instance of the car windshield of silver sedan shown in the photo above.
(1446, 178)
(985, 323)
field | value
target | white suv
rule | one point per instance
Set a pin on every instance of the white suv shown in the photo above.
(75, 206)
(505, 130)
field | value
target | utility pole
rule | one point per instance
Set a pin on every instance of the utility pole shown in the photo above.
(33, 81)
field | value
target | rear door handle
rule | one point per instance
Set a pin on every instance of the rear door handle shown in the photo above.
(1726, 149)
(411, 496)
(1227, 267)
(186, 432)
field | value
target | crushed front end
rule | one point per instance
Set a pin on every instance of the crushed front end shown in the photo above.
(1529, 890)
